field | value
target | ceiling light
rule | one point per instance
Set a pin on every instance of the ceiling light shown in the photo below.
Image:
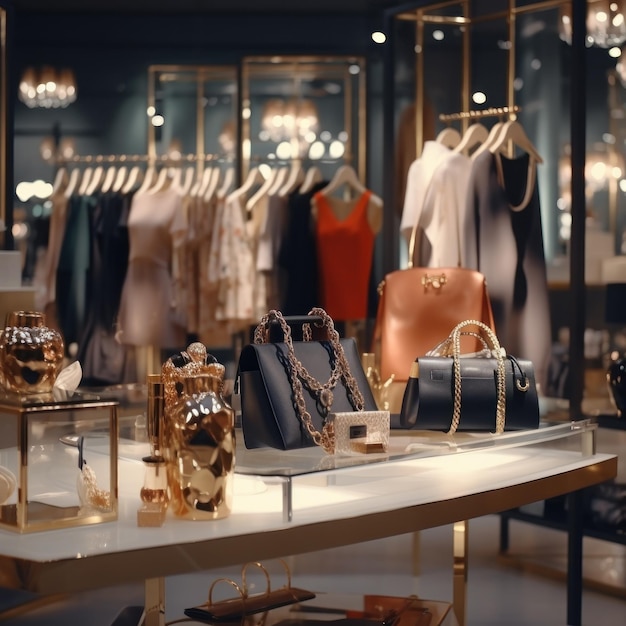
(47, 88)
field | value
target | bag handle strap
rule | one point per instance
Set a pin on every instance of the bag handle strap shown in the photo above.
(498, 353)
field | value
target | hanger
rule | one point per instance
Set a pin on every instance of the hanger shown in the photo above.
(212, 186)
(449, 137)
(199, 189)
(185, 183)
(227, 183)
(60, 180)
(262, 190)
(134, 176)
(296, 175)
(163, 180)
(476, 134)
(254, 178)
(346, 175)
(95, 181)
(84, 181)
(313, 175)
(72, 183)
(109, 179)
(279, 181)
(493, 135)
(513, 131)
(120, 177)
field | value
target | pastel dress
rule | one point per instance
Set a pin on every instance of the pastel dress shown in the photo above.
(149, 314)
(345, 250)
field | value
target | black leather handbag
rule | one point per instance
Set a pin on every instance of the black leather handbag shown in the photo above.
(487, 392)
(268, 385)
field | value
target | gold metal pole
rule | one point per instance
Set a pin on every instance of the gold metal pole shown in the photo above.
(3, 120)
(459, 592)
(419, 84)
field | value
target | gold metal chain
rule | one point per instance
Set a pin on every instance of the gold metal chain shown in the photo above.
(300, 377)
(500, 375)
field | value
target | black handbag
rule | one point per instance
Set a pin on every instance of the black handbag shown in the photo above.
(487, 392)
(268, 386)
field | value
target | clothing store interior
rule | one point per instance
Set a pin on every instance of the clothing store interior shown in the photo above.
(184, 174)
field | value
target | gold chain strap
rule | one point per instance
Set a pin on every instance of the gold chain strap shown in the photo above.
(500, 378)
(300, 377)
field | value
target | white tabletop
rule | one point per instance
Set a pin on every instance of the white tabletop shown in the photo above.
(331, 508)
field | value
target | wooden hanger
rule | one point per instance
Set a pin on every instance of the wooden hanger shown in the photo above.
(211, 188)
(262, 190)
(72, 183)
(449, 137)
(163, 180)
(513, 134)
(109, 179)
(185, 183)
(279, 181)
(135, 175)
(346, 175)
(311, 178)
(60, 180)
(254, 178)
(96, 180)
(296, 175)
(199, 189)
(84, 181)
(493, 135)
(227, 183)
(120, 178)
(476, 134)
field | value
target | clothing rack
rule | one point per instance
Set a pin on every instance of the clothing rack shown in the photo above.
(490, 112)
(142, 158)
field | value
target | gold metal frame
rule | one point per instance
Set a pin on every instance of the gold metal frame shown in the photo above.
(292, 68)
(203, 74)
(3, 117)
(424, 15)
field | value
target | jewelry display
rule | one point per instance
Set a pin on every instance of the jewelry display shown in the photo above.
(90, 495)
(301, 379)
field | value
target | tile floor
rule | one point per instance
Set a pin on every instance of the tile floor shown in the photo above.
(499, 594)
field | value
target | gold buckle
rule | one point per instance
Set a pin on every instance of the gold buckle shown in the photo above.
(433, 281)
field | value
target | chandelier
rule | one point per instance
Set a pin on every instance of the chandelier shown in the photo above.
(606, 24)
(47, 88)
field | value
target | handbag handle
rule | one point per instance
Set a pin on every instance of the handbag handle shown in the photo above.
(497, 351)
(271, 328)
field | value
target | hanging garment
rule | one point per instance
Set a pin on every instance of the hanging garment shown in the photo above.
(345, 250)
(435, 200)
(149, 314)
(73, 289)
(298, 255)
(104, 360)
(504, 241)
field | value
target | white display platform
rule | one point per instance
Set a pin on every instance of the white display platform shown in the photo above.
(419, 489)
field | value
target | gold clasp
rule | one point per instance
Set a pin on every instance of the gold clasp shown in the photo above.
(433, 281)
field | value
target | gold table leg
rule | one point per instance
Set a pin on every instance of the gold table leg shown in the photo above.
(459, 593)
(154, 607)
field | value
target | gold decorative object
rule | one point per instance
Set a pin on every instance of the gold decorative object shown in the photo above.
(31, 354)
(198, 435)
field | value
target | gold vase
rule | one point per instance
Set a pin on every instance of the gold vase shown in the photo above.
(31, 354)
(200, 449)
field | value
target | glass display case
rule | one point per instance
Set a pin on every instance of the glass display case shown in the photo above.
(58, 460)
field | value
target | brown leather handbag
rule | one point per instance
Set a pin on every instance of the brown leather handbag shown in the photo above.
(418, 306)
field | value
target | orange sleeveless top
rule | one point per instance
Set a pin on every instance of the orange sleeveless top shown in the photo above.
(344, 251)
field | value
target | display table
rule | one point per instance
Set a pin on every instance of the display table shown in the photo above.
(296, 502)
